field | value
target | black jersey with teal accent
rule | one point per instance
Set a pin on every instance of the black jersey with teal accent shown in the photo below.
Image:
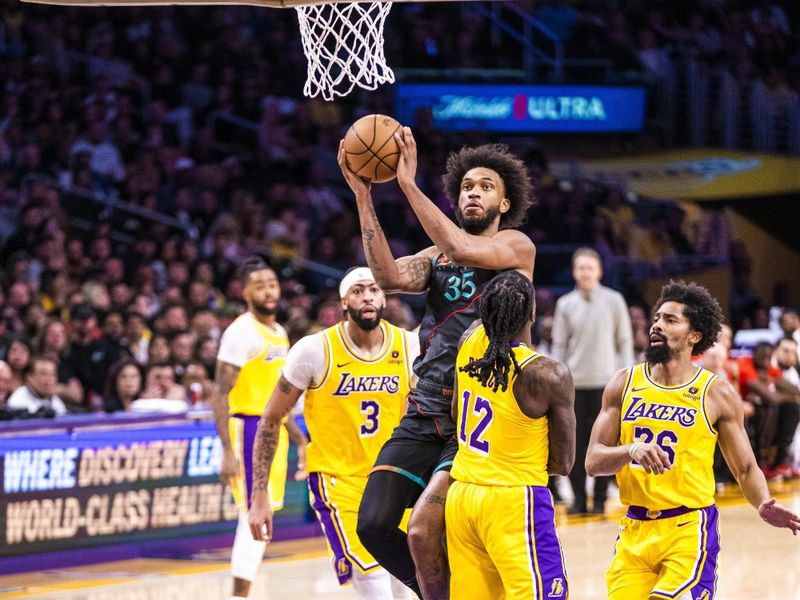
(452, 305)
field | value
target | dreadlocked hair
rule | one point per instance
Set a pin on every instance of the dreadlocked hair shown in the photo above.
(506, 306)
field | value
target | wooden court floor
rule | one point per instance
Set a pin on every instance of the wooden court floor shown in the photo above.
(757, 563)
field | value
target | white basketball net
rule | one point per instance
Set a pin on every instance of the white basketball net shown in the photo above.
(344, 46)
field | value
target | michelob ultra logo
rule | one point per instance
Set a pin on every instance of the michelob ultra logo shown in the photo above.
(521, 106)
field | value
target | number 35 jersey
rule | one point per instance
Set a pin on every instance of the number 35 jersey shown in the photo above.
(497, 443)
(352, 403)
(676, 419)
(452, 306)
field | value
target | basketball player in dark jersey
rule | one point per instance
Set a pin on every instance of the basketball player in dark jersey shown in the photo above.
(491, 192)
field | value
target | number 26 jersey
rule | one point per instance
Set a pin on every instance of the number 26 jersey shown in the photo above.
(676, 419)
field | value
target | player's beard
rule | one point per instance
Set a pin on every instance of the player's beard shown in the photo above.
(265, 310)
(658, 354)
(477, 225)
(366, 324)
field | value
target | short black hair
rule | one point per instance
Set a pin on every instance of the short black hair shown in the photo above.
(699, 306)
(507, 303)
(39, 358)
(512, 171)
(250, 265)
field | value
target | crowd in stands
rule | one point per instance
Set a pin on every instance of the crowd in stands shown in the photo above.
(753, 39)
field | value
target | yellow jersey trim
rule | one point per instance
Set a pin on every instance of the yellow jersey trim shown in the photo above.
(388, 338)
(646, 371)
(326, 346)
(707, 421)
(628, 381)
(528, 359)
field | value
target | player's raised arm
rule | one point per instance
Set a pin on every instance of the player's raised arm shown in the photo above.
(736, 449)
(481, 187)
(283, 398)
(604, 456)
(408, 274)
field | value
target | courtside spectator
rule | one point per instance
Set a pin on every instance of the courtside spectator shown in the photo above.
(18, 357)
(124, 385)
(54, 343)
(91, 356)
(37, 394)
(160, 383)
(785, 358)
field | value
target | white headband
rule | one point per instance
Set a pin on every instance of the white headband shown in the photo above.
(353, 277)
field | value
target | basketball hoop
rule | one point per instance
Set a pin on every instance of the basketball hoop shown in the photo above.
(343, 43)
(342, 40)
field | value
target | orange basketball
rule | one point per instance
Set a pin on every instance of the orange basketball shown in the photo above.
(370, 149)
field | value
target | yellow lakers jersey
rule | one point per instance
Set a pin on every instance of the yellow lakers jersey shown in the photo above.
(497, 443)
(676, 419)
(260, 374)
(357, 404)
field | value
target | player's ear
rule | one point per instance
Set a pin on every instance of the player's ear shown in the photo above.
(695, 337)
(505, 205)
(343, 302)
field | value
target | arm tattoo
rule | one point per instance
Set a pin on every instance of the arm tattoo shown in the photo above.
(224, 379)
(266, 444)
(434, 499)
(416, 270)
(368, 236)
(284, 386)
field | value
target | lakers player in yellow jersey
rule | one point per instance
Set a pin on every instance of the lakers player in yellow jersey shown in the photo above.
(355, 376)
(251, 355)
(515, 416)
(657, 430)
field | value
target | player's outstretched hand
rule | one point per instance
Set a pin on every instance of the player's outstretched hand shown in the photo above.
(229, 468)
(651, 457)
(259, 517)
(407, 165)
(358, 185)
(778, 515)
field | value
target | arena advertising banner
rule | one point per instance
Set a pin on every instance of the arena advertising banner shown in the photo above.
(524, 108)
(71, 490)
(697, 174)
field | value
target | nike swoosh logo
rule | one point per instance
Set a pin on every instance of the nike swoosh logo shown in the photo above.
(339, 366)
(682, 524)
(639, 389)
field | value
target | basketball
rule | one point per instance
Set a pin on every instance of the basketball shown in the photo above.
(370, 149)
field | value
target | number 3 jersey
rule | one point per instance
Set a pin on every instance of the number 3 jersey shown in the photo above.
(497, 443)
(676, 419)
(352, 403)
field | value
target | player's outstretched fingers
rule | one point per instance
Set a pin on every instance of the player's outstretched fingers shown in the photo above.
(408, 137)
(398, 135)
